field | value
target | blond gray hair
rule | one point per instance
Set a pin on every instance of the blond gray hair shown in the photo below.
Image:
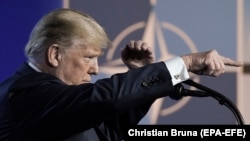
(62, 27)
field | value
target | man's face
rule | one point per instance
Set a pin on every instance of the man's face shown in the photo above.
(78, 64)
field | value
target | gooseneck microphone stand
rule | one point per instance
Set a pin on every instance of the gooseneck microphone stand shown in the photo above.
(206, 92)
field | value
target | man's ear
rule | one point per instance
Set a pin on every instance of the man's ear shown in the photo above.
(54, 55)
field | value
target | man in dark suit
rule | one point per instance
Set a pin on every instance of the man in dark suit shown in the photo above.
(51, 97)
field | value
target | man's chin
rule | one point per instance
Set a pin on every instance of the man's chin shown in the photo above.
(85, 82)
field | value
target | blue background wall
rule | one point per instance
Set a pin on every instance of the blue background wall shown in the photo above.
(17, 18)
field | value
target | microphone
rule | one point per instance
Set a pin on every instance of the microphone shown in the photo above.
(180, 92)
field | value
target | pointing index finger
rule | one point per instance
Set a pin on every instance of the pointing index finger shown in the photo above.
(230, 62)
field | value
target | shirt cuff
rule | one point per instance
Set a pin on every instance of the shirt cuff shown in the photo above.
(177, 70)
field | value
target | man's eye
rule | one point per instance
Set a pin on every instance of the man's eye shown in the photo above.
(89, 58)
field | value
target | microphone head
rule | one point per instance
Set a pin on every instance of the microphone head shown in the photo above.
(179, 90)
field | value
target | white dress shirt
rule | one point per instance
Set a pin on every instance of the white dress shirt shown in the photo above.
(177, 70)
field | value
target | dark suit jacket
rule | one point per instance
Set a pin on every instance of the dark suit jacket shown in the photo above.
(37, 106)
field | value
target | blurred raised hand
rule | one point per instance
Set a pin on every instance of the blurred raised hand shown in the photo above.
(137, 54)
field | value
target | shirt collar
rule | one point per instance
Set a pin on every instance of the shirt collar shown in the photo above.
(34, 67)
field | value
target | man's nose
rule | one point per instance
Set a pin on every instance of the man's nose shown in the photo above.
(93, 70)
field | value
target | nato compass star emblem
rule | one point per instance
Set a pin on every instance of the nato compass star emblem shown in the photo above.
(154, 36)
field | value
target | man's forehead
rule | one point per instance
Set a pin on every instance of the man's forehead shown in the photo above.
(91, 49)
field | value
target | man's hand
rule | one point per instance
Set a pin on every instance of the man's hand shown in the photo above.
(137, 54)
(208, 63)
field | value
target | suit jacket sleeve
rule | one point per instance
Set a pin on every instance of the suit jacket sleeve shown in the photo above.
(47, 104)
